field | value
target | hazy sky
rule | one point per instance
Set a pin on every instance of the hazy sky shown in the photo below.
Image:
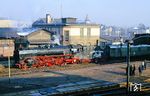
(109, 12)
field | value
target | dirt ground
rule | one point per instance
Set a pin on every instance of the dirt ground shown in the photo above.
(50, 77)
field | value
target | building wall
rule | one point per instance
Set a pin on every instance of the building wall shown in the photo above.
(6, 47)
(39, 37)
(76, 37)
(84, 40)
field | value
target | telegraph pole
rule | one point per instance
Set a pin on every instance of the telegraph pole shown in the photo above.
(9, 68)
(128, 66)
(9, 71)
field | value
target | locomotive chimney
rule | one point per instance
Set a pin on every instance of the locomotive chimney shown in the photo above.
(48, 18)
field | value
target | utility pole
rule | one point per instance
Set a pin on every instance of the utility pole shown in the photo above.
(128, 66)
(9, 61)
(9, 68)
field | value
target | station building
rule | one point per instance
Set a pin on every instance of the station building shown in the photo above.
(71, 31)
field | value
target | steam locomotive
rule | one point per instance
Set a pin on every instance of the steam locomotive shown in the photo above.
(57, 50)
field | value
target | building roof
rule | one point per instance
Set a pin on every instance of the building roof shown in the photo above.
(58, 22)
(27, 31)
(40, 21)
(62, 24)
(8, 33)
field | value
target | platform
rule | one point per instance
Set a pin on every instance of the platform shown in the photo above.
(74, 88)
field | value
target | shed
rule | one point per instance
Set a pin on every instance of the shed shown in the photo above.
(7, 36)
(36, 37)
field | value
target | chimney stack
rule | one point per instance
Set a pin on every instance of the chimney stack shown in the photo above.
(48, 18)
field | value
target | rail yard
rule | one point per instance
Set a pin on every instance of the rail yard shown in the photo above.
(60, 71)
(27, 82)
(76, 70)
(65, 54)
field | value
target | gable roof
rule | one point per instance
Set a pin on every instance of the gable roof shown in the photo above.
(40, 21)
(27, 31)
(36, 31)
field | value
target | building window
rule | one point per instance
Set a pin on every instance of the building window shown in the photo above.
(88, 32)
(81, 32)
(66, 35)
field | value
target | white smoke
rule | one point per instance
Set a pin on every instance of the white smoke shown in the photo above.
(55, 39)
